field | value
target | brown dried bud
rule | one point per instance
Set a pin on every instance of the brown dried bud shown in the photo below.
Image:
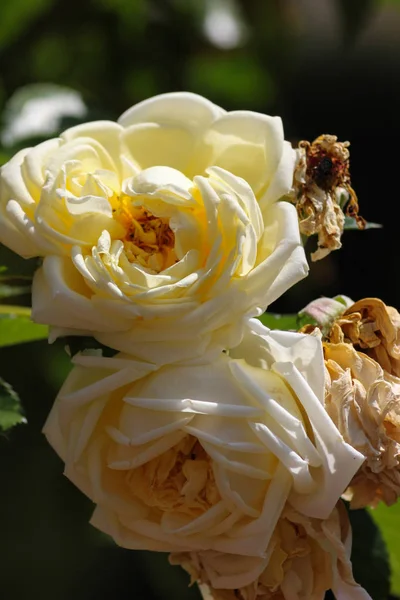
(321, 186)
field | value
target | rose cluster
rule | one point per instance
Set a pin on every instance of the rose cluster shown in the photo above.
(205, 435)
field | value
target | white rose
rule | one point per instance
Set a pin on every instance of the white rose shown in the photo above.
(203, 455)
(168, 214)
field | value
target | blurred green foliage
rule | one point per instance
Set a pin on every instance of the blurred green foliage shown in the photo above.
(325, 66)
(10, 407)
(370, 556)
(16, 326)
(388, 520)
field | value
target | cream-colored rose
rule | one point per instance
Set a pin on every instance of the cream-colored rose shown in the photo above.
(168, 214)
(305, 558)
(203, 455)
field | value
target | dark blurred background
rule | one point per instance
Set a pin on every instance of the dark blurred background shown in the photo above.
(324, 66)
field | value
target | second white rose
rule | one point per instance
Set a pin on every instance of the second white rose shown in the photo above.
(203, 456)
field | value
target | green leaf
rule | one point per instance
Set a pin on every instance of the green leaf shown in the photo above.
(351, 223)
(275, 321)
(289, 322)
(10, 407)
(16, 326)
(388, 520)
(369, 556)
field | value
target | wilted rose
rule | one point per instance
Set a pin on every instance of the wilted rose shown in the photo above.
(364, 402)
(305, 558)
(373, 328)
(203, 455)
(159, 230)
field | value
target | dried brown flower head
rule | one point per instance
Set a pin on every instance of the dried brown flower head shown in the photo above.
(320, 189)
(364, 403)
(305, 558)
(374, 328)
(362, 360)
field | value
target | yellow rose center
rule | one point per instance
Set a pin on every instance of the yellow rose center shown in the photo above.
(148, 240)
(180, 480)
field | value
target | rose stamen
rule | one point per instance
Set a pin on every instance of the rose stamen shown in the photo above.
(149, 240)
